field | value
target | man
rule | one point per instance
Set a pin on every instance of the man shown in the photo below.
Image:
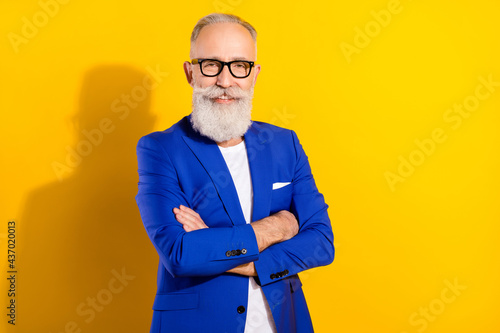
(230, 205)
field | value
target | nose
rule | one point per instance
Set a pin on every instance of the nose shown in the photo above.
(225, 79)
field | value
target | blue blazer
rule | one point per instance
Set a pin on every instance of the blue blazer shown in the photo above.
(179, 166)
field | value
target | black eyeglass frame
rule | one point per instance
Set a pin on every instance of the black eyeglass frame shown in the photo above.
(200, 61)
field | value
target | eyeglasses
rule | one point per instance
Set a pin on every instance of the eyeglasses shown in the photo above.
(240, 69)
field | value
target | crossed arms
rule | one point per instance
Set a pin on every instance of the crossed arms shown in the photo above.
(274, 229)
(286, 241)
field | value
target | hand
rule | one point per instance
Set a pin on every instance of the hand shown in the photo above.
(244, 269)
(189, 219)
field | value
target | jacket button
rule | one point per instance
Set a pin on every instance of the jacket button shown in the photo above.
(286, 272)
(228, 254)
(238, 252)
(273, 276)
(243, 251)
(240, 309)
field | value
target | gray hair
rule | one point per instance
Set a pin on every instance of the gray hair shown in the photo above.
(220, 18)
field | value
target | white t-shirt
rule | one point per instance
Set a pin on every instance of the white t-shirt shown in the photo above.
(259, 316)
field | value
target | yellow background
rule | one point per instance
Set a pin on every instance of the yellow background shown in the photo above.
(357, 116)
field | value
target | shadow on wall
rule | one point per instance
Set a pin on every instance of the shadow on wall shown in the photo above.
(86, 262)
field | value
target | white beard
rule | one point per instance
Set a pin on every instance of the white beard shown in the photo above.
(221, 122)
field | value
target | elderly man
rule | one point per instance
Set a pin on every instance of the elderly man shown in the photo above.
(230, 205)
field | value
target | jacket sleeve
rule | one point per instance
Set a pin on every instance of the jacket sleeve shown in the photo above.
(313, 245)
(195, 253)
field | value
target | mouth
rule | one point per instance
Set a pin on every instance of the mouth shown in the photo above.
(223, 99)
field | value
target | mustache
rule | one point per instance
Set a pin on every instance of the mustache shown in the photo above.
(216, 91)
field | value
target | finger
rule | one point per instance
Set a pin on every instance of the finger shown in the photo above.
(184, 218)
(193, 216)
(187, 228)
(185, 215)
(186, 222)
(189, 221)
(189, 211)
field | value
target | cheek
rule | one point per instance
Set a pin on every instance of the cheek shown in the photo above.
(203, 81)
(245, 84)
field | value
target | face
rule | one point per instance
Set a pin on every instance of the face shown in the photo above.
(222, 104)
(225, 42)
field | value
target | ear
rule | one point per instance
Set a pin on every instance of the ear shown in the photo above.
(256, 69)
(188, 70)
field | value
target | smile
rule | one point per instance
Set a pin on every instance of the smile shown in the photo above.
(224, 99)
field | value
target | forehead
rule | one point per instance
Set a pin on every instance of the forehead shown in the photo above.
(224, 41)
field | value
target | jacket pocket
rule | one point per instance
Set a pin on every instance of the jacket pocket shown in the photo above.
(176, 301)
(281, 198)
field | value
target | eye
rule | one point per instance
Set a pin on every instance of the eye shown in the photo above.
(209, 64)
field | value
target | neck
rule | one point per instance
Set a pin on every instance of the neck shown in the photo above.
(230, 142)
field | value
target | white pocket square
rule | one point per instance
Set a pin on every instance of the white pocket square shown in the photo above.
(280, 185)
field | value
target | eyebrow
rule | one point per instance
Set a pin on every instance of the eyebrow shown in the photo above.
(230, 59)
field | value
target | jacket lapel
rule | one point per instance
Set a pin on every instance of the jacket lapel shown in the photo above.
(260, 160)
(210, 157)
